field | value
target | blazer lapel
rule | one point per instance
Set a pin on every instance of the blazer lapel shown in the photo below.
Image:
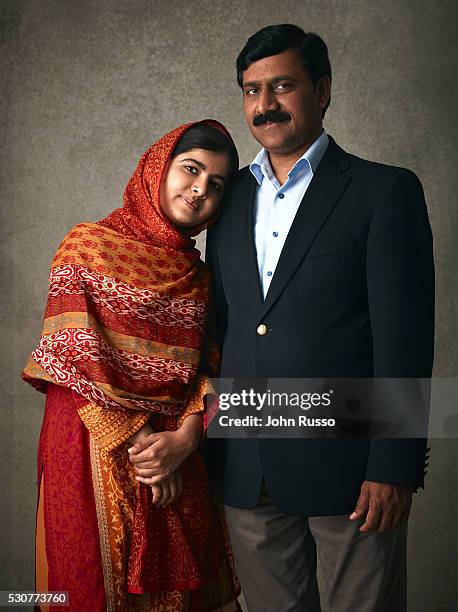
(319, 200)
(243, 219)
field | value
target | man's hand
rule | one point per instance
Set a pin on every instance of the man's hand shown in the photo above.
(383, 505)
(158, 455)
(168, 490)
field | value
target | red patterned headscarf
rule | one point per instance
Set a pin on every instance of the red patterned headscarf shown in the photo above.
(141, 216)
(128, 304)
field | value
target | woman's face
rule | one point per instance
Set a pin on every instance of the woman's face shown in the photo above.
(193, 186)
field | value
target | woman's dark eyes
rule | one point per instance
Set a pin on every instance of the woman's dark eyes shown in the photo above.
(194, 170)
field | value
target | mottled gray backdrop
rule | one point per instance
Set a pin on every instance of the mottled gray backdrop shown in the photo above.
(87, 85)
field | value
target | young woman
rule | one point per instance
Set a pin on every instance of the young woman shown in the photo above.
(124, 359)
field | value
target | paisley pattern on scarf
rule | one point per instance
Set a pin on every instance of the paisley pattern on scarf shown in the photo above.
(109, 370)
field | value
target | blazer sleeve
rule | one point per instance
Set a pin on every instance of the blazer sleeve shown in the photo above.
(400, 281)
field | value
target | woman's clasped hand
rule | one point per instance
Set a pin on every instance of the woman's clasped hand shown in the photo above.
(156, 458)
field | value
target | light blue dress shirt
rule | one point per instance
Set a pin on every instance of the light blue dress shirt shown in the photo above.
(276, 205)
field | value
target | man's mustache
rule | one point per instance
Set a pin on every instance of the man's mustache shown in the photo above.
(272, 116)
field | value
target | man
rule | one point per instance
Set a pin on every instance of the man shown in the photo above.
(322, 268)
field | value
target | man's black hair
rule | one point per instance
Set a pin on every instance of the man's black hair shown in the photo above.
(275, 39)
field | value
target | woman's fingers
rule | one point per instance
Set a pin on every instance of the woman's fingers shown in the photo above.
(166, 490)
(148, 473)
(147, 465)
(166, 494)
(167, 452)
(148, 450)
(176, 486)
(173, 485)
(152, 480)
(156, 490)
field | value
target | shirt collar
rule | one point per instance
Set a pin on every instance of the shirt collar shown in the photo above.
(260, 166)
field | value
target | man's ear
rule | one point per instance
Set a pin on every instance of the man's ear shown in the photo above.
(323, 90)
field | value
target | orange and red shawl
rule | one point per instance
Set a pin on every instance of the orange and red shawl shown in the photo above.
(126, 330)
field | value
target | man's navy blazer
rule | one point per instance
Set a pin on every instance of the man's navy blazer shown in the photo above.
(352, 296)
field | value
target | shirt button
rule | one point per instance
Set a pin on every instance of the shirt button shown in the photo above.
(269, 273)
(274, 234)
(262, 329)
(281, 196)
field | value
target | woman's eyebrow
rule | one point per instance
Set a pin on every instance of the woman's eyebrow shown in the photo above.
(203, 167)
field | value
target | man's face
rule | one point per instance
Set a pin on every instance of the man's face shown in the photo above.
(278, 89)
